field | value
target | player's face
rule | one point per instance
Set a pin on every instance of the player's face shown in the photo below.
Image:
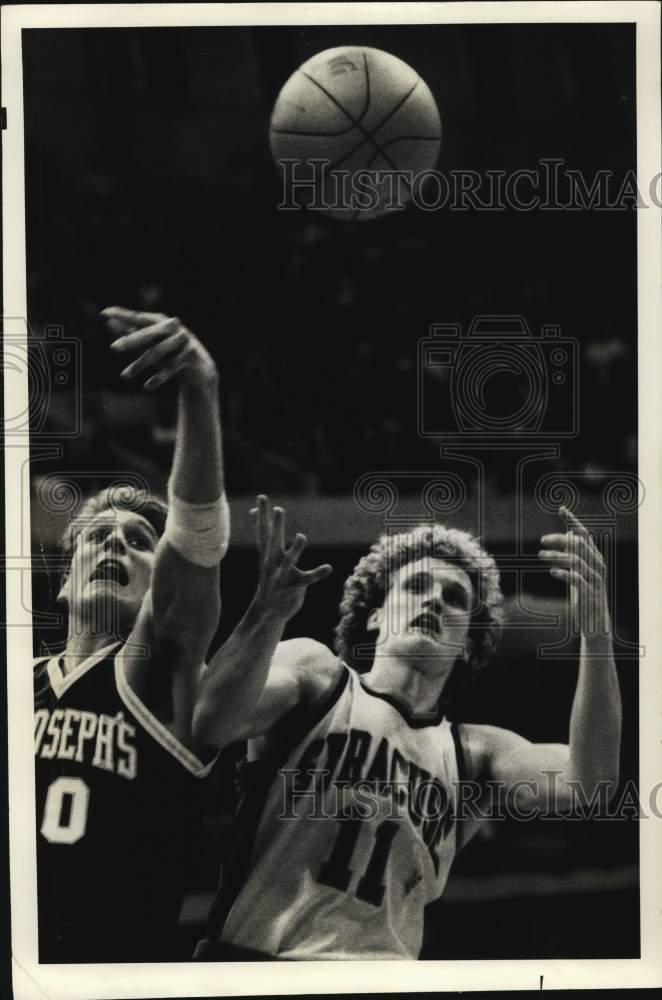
(111, 567)
(426, 613)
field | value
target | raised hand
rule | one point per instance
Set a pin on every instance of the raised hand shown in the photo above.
(161, 347)
(574, 558)
(282, 585)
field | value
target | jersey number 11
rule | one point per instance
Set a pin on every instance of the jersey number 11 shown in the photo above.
(336, 871)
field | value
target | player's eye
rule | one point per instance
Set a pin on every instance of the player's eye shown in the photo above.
(141, 542)
(456, 597)
(97, 534)
(417, 584)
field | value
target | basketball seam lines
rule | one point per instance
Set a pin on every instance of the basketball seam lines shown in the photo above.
(315, 135)
(380, 149)
(412, 138)
(327, 93)
(401, 138)
(354, 122)
(367, 136)
(367, 86)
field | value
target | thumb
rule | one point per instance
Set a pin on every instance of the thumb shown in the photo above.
(312, 576)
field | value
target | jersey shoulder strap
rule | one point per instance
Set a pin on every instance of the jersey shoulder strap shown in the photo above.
(462, 777)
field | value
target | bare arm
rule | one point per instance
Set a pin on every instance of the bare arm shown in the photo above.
(180, 613)
(553, 775)
(254, 678)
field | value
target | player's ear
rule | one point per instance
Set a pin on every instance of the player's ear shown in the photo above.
(375, 619)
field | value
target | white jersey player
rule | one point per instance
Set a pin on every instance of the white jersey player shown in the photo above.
(349, 816)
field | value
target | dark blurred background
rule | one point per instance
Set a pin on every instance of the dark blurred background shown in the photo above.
(149, 183)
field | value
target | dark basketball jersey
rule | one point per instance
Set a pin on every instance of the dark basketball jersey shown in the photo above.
(118, 798)
(343, 841)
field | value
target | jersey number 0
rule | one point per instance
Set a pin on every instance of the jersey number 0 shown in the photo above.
(65, 811)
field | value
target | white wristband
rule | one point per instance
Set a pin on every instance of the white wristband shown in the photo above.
(200, 532)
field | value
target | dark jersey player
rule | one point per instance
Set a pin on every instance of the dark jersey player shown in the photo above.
(351, 813)
(117, 768)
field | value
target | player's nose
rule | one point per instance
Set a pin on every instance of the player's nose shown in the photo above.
(434, 603)
(115, 541)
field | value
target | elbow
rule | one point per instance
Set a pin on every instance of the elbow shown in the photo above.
(188, 627)
(601, 789)
(611, 775)
(591, 786)
(611, 785)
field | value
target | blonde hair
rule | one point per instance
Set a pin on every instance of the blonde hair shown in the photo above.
(368, 585)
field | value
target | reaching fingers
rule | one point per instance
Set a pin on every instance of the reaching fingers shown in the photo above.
(573, 523)
(120, 319)
(263, 525)
(591, 602)
(560, 541)
(169, 371)
(570, 575)
(311, 576)
(167, 348)
(571, 561)
(133, 339)
(270, 535)
(296, 548)
(583, 545)
(279, 528)
(581, 540)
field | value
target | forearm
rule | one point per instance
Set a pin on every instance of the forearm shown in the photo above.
(185, 584)
(233, 682)
(595, 720)
(197, 468)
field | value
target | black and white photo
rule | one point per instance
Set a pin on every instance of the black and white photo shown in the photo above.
(331, 361)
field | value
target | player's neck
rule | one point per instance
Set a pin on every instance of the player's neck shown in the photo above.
(80, 646)
(416, 687)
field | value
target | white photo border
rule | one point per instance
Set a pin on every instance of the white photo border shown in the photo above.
(239, 979)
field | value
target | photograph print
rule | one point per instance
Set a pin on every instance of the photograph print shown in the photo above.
(326, 486)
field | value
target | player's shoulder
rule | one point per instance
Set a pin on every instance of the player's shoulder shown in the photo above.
(315, 667)
(40, 667)
(305, 654)
(480, 743)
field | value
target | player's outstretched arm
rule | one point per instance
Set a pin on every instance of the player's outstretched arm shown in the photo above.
(541, 773)
(254, 678)
(595, 720)
(180, 613)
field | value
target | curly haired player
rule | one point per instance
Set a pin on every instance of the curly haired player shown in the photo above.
(117, 767)
(348, 824)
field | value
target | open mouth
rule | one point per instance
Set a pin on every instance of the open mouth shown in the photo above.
(111, 570)
(428, 624)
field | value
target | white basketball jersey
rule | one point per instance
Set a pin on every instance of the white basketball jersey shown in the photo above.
(352, 833)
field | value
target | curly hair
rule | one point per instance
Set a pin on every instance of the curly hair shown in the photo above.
(368, 585)
(152, 508)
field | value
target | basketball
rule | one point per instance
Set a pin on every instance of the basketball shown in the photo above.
(351, 129)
